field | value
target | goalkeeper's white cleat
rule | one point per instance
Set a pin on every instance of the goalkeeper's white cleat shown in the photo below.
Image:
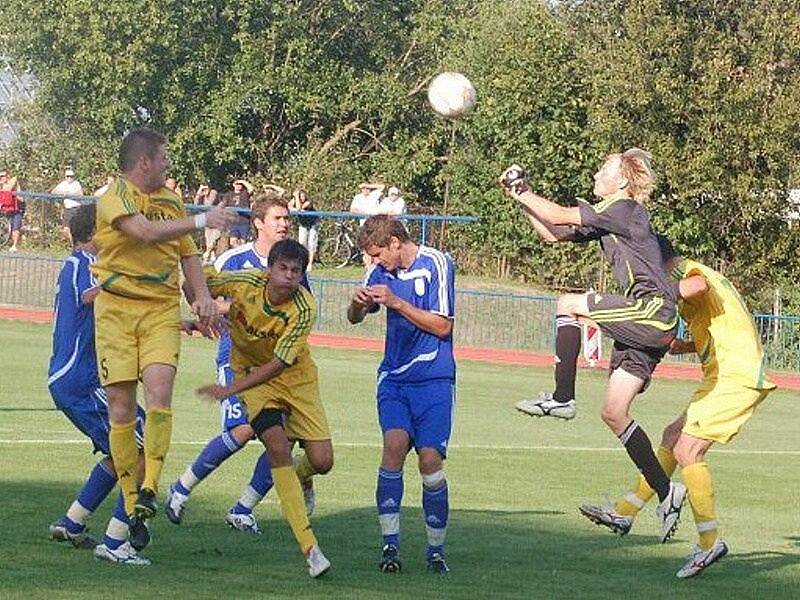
(124, 555)
(700, 559)
(669, 511)
(318, 565)
(546, 406)
(606, 516)
(243, 522)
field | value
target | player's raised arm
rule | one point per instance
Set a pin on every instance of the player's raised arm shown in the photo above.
(142, 229)
(546, 213)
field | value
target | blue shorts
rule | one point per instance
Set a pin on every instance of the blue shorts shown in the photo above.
(423, 410)
(88, 411)
(232, 411)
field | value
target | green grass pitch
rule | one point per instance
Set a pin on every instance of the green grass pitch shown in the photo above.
(515, 485)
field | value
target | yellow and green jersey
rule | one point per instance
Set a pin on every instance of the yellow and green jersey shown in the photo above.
(261, 331)
(127, 267)
(725, 336)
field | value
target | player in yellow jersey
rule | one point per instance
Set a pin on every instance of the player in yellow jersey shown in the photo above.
(142, 238)
(270, 317)
(734, 383)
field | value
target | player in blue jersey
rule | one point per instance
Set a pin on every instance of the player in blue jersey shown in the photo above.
(416, 379)
(75, 387)
(270, 218)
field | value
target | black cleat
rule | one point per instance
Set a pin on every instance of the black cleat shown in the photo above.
(145, 504)
(390, 560)
(437, 564)
(138, 532)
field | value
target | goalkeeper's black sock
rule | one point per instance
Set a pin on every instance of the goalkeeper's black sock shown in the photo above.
(568, 346)
(641, 452)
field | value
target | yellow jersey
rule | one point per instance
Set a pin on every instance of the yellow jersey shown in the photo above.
(723, 330)
(261, 331)
(127, 267)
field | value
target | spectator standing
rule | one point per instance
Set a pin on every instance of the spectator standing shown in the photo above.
(11, 184)
(308, 226)
(69, 186)
(207, 196)
(367, 200)
(240, 198)
(392, 203)
(110, 179)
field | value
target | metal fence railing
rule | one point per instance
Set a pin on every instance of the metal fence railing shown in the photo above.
(485, 319)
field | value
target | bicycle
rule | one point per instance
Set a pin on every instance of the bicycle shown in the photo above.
(342, 245)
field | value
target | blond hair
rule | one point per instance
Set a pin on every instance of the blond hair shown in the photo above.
(635, 168)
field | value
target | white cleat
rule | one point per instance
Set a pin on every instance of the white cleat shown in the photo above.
(669, 511)
(243, 522)
(318, 565)
(175, 505)
(545, 406)
(607, 517)
(309, 495)
(124, 555)
(700, 559)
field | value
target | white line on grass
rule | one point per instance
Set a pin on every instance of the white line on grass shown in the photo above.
(540, 448)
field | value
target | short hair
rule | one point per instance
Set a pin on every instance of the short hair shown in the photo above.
(668, 251)
(378, 230)
(263, 202)
(82, 223)
(289, 250)
(138, 143)
(636, 169)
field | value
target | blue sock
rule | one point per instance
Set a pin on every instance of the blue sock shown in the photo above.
(388, 498)
(260, 484)
(99, 485)
(212, 456)
(436, 506)
(117, 531)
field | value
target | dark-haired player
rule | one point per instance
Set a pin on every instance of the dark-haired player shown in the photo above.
(270, 317)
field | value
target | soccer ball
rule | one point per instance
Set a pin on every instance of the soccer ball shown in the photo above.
(451, 95)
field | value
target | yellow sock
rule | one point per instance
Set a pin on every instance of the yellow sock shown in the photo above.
(697, 478)
(288, 487)
(122, 439)
(634, 501)
(303, 468)
(157, 436)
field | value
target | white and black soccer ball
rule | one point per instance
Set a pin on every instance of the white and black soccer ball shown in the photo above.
(452, 95)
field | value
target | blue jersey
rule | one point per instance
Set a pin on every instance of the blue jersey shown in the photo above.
(236, 259)
(412, 355)
(74, 362)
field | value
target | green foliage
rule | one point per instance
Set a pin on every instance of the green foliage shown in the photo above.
(325, 94)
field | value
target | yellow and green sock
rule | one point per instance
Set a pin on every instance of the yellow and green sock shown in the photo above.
(124, 453)
(294, 510)
(697, 479)
(157, 438)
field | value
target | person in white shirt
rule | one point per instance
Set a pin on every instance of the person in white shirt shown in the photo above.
(367, 200)
(69, 186)
(392, 203)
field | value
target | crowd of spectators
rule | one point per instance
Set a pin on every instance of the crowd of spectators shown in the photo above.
(369, 200)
